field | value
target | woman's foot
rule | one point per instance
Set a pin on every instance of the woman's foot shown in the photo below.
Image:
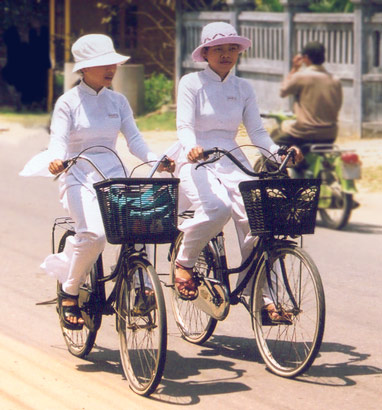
(144, 301)
(185, 285)
(70, 312)
(276, 316)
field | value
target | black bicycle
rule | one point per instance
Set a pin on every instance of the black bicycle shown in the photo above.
(279, 210)
(134, 211)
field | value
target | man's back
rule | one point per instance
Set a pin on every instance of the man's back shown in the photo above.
(318, 99)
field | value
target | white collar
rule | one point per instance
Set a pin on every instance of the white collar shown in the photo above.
(216, 77)
(88, 90)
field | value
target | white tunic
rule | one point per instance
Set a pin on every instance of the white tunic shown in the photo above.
(81, 119)
(210, 112)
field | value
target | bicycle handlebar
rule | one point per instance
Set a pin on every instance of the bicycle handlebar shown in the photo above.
(219, 153)
(72, 161)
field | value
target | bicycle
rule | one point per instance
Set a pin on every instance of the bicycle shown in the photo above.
(279, 211)
(134, 211)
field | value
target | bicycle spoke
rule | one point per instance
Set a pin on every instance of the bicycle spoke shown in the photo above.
(295, 287)
(142, 327)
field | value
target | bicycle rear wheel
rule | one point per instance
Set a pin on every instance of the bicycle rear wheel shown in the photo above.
(194, 325)
(142, 327)
(81, 342)
(296, 289)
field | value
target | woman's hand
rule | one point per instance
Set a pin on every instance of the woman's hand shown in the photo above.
(195, 154)
(298, 157)
(56, 166)
(167, 165)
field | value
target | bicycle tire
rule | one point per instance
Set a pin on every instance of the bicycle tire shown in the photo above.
(81, 342)
(288, 350)
(142, 327)
(337, 215)
(195, 325)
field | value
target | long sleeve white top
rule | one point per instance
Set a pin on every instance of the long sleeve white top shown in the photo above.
(83, 118)
(210, 111)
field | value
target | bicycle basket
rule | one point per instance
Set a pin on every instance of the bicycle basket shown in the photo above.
(139, 210)
(281, 206)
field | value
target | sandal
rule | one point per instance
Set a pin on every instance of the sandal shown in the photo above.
(271, 316)
(67, 311)
(144, 302)
(186, 289)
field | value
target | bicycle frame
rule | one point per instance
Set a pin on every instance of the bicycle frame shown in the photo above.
(258, 254)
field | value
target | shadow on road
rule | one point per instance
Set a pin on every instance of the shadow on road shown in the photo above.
(339, 373)
(178, 385)
(357, 227)
(102, 360)
(217, 370)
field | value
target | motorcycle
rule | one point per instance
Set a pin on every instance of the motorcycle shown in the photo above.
(338, 170)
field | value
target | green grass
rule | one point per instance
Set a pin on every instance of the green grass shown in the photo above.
(150, 122)
(27, 119)
(157, 122)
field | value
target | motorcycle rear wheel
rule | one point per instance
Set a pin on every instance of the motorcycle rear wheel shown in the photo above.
(337, 215)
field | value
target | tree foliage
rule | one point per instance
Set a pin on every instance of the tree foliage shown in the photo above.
(332, 6)
(268, 5)
(21, 13)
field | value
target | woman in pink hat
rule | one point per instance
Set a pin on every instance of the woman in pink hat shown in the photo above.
(211, 105)
(89, 114)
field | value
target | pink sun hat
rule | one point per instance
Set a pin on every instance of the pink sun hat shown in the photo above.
(214, 34)
(94, 50)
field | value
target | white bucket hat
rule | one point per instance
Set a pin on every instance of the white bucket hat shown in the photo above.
(214, 34)
(94, 50)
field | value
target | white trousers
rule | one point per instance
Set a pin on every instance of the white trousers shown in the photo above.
(214, 194)
(216, 198)
(81, 251)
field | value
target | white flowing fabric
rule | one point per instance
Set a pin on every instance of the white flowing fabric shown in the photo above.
(209, 114)
(82, 119)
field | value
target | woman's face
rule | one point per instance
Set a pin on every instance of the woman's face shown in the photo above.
(222, 58)
(100, 76)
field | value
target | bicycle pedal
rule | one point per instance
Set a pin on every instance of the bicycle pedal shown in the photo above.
(268, 321)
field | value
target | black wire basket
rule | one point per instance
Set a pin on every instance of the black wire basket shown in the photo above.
(139, 210)
(281, 206)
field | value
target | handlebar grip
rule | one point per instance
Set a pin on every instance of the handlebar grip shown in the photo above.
(283, 150)
(208, 152)
(165, 161)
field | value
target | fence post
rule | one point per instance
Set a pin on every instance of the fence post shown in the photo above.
(362, 9)
(179, 55)
(291, 7)
(359, 63)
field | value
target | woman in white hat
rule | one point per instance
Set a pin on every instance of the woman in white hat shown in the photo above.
(211, 105)
(89, 114)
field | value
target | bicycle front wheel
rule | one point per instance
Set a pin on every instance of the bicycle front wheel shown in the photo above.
(81, 342)
(195, 325)
(142, 327)
(291, 280)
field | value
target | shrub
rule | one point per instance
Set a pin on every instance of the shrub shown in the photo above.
(158, 91)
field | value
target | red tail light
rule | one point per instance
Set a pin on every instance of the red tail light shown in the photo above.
(350, 158)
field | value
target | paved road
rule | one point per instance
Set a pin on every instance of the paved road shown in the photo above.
(36, 372)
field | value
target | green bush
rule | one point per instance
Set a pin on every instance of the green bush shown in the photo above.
(158, 91)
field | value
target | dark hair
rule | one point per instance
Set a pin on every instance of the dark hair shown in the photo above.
(315, 51)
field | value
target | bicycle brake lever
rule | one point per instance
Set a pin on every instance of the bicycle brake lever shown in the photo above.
(208, 161)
